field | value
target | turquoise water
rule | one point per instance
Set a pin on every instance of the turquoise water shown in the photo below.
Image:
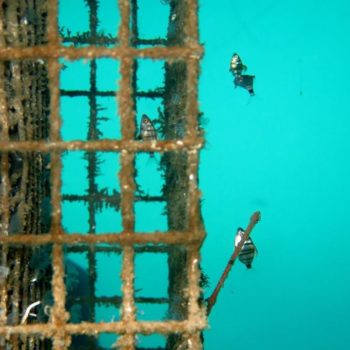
(282, 151)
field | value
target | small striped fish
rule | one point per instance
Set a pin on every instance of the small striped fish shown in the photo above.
(236, 65)
(147, 130)
(248, 251)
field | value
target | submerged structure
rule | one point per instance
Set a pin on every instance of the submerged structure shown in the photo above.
(48, 301)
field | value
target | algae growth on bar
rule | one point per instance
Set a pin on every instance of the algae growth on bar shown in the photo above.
(88, 199)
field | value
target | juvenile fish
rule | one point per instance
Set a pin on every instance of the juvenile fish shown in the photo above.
(236, 65)
(147, 129)
(243, 80)
(248, 251)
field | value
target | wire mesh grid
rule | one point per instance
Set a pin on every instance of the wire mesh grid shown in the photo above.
(31, 46)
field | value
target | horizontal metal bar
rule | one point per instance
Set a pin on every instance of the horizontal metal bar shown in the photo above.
(108, 199)
(113, 249)
(107, 40)
(117, 300)
(152, 42)
(126, 238)
(74, 53)
(85, 93)
(89, 328)
(89, 39)
(101, 145)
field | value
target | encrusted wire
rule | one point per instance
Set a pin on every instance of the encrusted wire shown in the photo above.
(30, 46)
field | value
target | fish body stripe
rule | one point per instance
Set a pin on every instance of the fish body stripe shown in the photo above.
(247, 253)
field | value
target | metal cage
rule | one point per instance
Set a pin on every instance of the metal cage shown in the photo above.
(33, 239)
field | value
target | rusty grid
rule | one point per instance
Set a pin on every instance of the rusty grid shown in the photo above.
(189, 51)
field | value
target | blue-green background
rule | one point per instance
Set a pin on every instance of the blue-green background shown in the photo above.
(284, 151)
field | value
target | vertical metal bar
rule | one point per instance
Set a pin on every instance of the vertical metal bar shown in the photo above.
(126, 175)
(4, 132)
(5, 180)
(184, 272)
(24, 296)
(59, 316)
(126, 110)
(4, 186)
(191, 23)
(194, 219)
(92, 160)
(196, 314)
(191, 33)
(192, 97)
(52, 23)
(15, 298)
(134, 24)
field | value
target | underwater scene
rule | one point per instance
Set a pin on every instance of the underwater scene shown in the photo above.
(180, 180)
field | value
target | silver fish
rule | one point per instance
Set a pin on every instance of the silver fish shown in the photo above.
(248, 251)
(236, 65)
(147, 130)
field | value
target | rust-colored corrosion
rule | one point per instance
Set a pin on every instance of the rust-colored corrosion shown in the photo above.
(31, 178)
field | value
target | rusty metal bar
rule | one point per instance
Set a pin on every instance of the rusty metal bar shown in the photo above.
(101, 145)
(69, 53)
(59, 316)
(126, 176)
(134, 327)
(125, 238)
(161, 249)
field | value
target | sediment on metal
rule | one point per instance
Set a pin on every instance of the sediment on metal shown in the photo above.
(32, 148)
